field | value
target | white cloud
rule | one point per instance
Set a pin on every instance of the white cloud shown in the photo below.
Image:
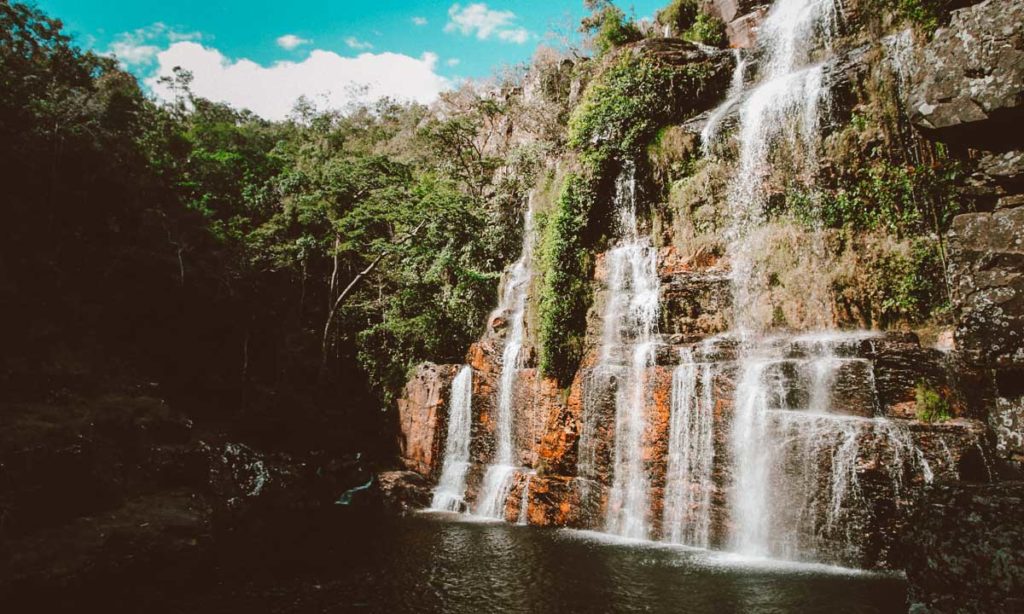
(419, 21)
(136, 48)
(132, 54)
(355, 43)
(482, 22)
(271, 91)
(453, 62)
(290, 41)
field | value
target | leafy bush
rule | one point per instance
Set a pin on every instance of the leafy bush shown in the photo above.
(706, 29)
(627, 103)
(567, 266)
(609, 26)
(678, 15)
(903, 199)
(687, 20)
(931, 405)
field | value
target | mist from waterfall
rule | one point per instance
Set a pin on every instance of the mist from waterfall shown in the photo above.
(500, 473)
(450, 493)
(627, 352)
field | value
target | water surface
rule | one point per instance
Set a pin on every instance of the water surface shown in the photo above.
(433, 563)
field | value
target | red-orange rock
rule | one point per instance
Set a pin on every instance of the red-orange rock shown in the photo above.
(422, 417)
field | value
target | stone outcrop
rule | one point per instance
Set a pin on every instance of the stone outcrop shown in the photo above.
(964, 550)
(403, 491)
(970, 79)
(987, 256)
(421, 417)
(741, 19)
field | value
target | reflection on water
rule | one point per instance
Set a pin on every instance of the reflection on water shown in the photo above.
(435, 563)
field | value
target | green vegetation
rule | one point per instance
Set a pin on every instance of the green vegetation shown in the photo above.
(619, 115)
(905, 200)
(910, 286)
(932, 406)
(627, 103)
(608, 26)
(706, 29)
(262, 269)
(928, 14)
(567, 265)
(692, 23)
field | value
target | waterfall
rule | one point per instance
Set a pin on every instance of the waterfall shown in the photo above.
(796, 453)
(688, 484)
(451, 487)
(709, 133)
(627, 352)
(498, 479)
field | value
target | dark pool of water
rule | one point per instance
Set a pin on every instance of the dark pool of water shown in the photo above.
(431, 563)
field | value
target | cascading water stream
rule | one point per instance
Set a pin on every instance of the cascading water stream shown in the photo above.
(794, 458)
(498, 478)
(449, 495)
(627, 352)
(709, 133)
(688, 485)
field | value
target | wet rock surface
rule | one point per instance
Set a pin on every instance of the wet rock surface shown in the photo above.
(422, 417)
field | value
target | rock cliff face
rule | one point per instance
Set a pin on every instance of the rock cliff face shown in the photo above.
(792, 435)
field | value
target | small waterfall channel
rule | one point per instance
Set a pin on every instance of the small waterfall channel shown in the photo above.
(627, 352)
(450, 493)
(502, 470)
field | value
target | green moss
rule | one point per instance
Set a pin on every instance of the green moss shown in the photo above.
(567, 267)
(623, 108)
(932, 406)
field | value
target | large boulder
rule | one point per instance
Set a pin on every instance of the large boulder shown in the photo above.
(969, 82)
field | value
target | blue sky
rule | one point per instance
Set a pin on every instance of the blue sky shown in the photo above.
(262, 54)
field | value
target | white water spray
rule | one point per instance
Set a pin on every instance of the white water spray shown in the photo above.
(498, 479)
(451, 488)
(688, 484)
(627, 351)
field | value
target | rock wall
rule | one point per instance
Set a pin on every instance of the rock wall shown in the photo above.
(962, 87)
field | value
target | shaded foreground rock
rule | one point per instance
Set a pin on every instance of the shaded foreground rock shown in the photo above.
(965, 550)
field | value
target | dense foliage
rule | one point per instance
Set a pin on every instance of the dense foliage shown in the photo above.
(691, 22)
(212, 251)
(619, 115)
(608, 26)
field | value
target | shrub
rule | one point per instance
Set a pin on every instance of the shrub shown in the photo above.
(567, 267)
(627, 103)
(609, 26)
(932, 406)
(706, 29)
(678, 15)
